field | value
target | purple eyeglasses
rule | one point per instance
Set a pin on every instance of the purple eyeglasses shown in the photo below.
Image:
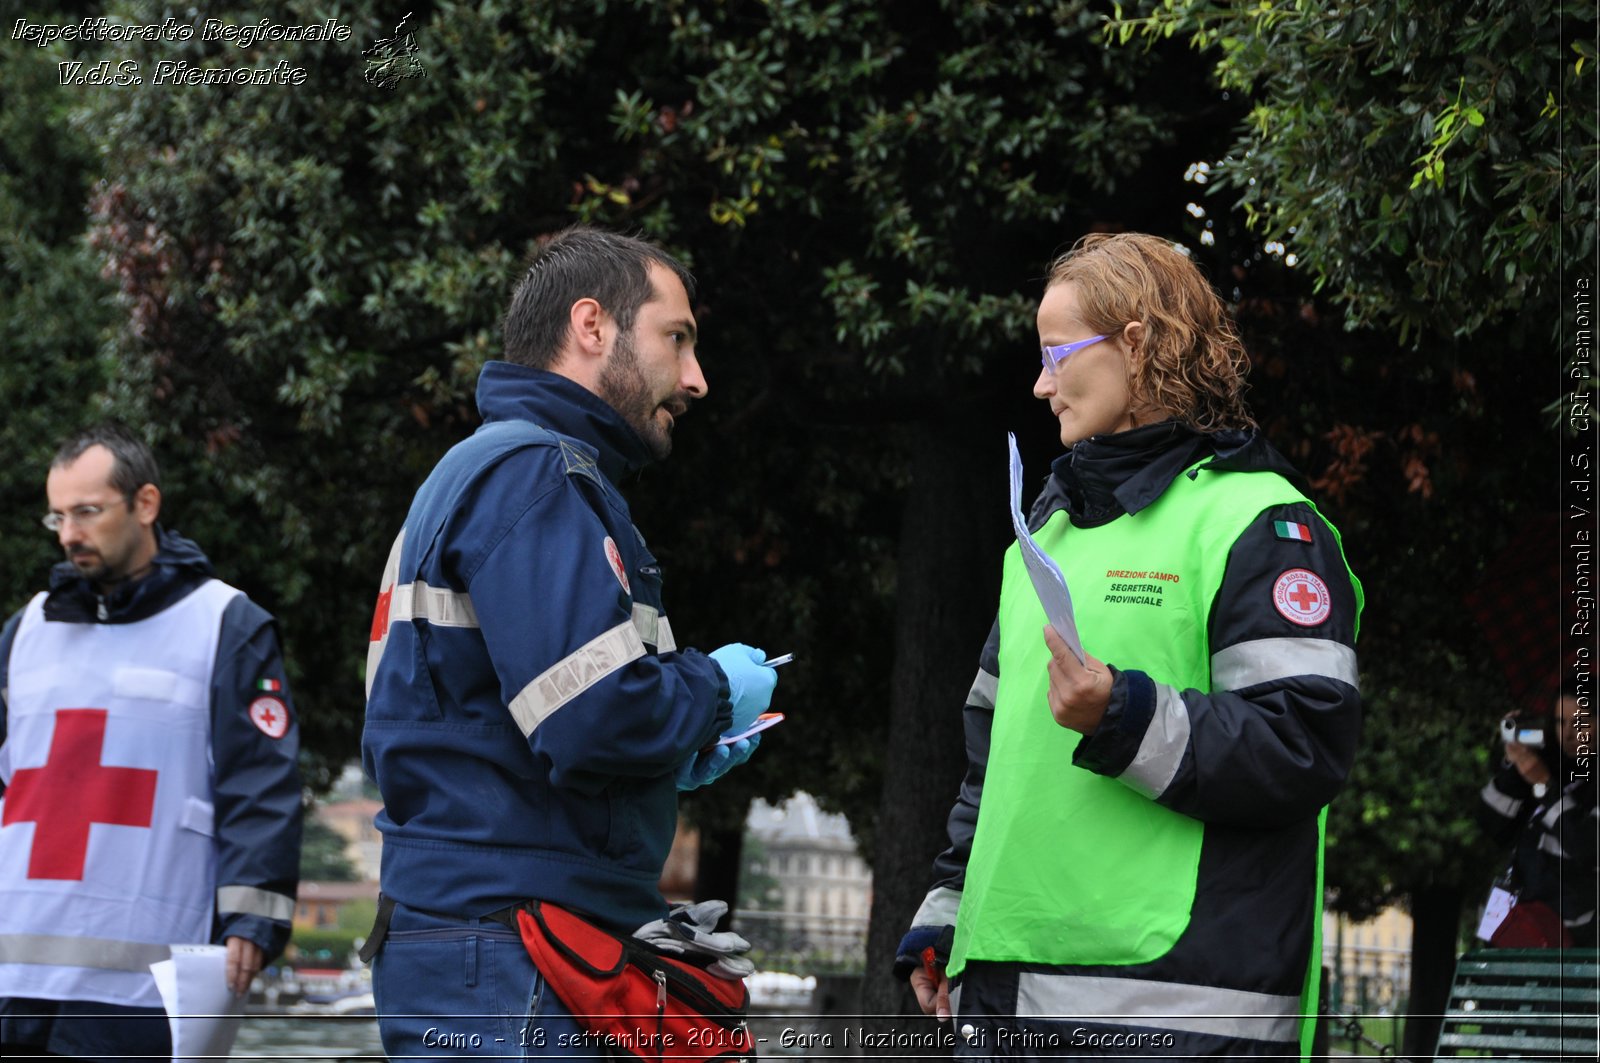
(1052, 357)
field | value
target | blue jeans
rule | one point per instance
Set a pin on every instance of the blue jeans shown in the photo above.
(467, 989)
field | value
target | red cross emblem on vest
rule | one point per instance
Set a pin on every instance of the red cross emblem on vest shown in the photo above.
(74, 790)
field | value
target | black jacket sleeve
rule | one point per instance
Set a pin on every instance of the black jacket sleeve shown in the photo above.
(1273, 740)
(1503, 804)
(255, 746)
(8, 635)
(933, 920)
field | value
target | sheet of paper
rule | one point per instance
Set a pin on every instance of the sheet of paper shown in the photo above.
(201, 1010)
(1495, 912)
(1048, 582)
(764, 721)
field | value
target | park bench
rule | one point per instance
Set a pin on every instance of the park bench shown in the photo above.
(1523, 1004)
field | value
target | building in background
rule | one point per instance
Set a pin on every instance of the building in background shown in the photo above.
(351, 807)
(351, 819)
(1370, 962)
(320, 905)
(805, 892)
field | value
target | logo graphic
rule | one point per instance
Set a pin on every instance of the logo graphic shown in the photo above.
(614, 556)
(391, 60)
(1302, 598)
(270, 716)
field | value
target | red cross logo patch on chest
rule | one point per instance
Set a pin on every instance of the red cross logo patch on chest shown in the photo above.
(1302, 598)
(614, 556)
(74, 790)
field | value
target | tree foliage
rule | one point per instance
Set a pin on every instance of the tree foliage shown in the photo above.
(1435, 165)
(53, 305)
(323, 857)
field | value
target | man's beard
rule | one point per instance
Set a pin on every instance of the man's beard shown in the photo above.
(104, 572)
(623, 385)
(90, 564)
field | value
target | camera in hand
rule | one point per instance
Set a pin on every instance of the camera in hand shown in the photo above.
(1526, 734)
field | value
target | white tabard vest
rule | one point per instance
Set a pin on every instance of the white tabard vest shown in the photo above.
(106, 855)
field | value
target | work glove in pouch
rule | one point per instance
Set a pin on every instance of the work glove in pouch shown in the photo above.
(690, 930)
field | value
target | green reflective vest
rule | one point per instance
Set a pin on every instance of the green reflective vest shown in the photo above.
(1067, 866)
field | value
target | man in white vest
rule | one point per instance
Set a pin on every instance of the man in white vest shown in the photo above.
(149, 788)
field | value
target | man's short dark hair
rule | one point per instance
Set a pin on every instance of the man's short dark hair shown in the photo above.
(580, 262)
(135, 465)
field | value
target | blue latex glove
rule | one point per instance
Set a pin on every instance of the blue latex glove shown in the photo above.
(750, 684)
(703, 769)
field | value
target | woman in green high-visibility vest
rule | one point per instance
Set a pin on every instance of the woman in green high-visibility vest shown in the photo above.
(1145, 875)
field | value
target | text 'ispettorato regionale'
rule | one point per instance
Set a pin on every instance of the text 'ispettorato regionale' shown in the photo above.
(177, 72)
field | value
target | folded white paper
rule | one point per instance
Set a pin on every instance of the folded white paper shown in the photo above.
(202, 1011)
(1048, 582)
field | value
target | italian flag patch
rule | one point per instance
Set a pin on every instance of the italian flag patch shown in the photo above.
(1289, 530)
(271, 686)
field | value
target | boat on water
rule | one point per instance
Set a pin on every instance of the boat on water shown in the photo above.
(780, 989)
(360, 1003)
(312, 991)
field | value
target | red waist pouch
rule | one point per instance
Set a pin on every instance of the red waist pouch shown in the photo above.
(632, 998)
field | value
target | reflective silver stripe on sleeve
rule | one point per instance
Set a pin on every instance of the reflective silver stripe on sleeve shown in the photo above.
(248, 900)
(1502, 803)
(1549, 843)
(1557, 810)
(102, 953)
(647, 621)
(575, 673)
(1161, 1005)
(440, 606)
(1156, 763)
(984, 689)
(1245, 664)
(938, 908)
(653, 628)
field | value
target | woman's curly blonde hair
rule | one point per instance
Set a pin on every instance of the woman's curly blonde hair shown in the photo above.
(1189, 363)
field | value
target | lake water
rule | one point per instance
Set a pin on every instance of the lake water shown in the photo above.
(271, 1038)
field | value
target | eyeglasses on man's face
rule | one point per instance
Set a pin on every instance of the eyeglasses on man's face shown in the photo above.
(1052, 357)
(82, 516)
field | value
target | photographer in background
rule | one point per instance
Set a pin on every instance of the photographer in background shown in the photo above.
(1542, 801)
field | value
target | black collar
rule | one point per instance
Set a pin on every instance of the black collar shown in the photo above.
(178, 567)
(1103, 477)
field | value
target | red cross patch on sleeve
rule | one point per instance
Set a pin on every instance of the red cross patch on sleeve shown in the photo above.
(271, 717)
(1302, 598)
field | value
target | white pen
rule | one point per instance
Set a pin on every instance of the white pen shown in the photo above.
(785, 659)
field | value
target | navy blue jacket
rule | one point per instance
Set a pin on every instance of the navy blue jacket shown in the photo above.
(526, 701)
(255, 779)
